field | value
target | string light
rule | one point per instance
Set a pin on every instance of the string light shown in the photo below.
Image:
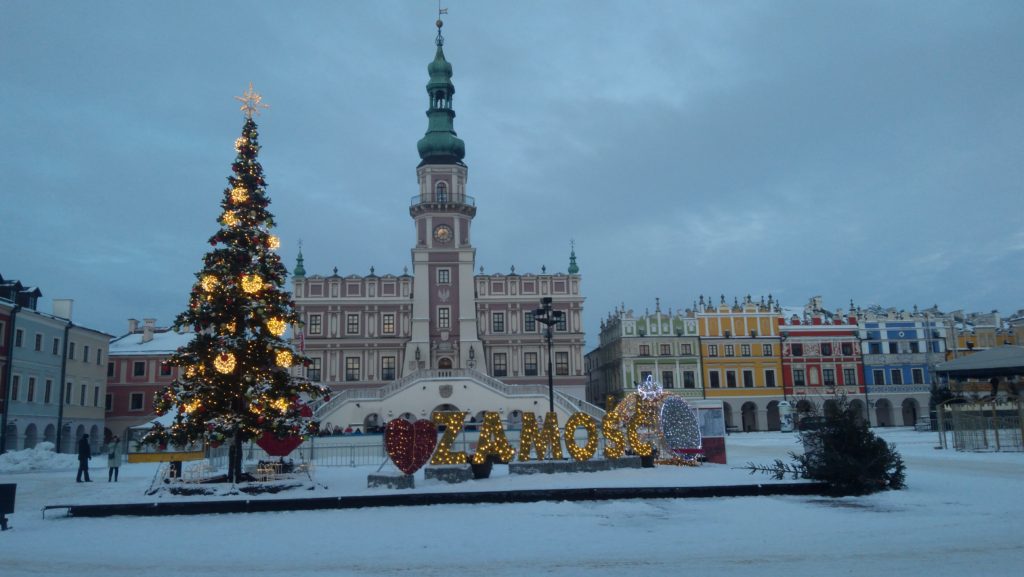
(191, 407)
(224, 363)
(452, 423)
(641, 419)
(276, 326)
(680, 429)
(209, 282)
(492, 440)
(281, 404)
(409, 445)
(252, 283)
(273, 243)
(589, 424)
(285, 359)
(614, 440)
(547, 440)
(240, 142)
(239, 195)
(230, 218)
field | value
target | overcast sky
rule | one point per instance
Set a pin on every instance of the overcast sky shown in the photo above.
(862, 150)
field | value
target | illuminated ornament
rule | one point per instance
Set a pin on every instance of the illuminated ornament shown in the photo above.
(240, 142)
(638, 429)
(493, 440)
(209, 282)
(680, 429)
(281, 404)
(544, 442)
(252, 283)
(273, 242)
(239, 194)
(230, 218)
(452, 423)
(230, 327)
(276, 327)
(251, 102)
(589, 424)
(410, 445)
(224, 363)
(285, 359)
(191, 407)
(649, 389)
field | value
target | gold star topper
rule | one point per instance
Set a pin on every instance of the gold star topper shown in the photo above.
(251, 102)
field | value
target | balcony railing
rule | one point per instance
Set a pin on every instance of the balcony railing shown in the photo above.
(442, 199)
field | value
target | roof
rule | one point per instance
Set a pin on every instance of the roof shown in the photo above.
(163, 343)
(1005, 360)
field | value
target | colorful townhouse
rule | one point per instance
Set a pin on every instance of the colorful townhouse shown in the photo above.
(662, 345)
(741, 360)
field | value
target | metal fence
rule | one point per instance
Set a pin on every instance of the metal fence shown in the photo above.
(983, 426)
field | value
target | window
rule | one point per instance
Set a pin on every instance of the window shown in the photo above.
(748, 378)
(48, 391)
(67, 394)
(766, 350)
(686, 349)
(689, 380)
(894, 348)
(352, 324)
(500, 364)
(314, 324)
(666, 350)
(668, 380)
(849, 377)
(351, 368)
(444, 276)
(71, 351)
(165, 369)
(826, 349)
(110, 369)
(897, 376)
(915, 347)
(798, 349)
(730, 350)
(712, 350)
(645, 350)
(530, 364)
(387, 368)
(828, 376)
(85, 354)
(561, 363)
(135, 401)
(442, 192)
(769, 378)
(313, 370)
(81, 395)
(444, 317)
(30, 397)
(108, 403)
(918, 376)
(937, 347)
(878, 376)
(15, 381)
(529, 322)
(498, 322)
(730, 379)
(847, 349)
(139, 369)
(39, 342)
(745, 350)
(875, 348)
(713, 379)
(560, 322)
(56, 346)
(644, 375)
(99, 355)
(18, 336)
(96, 396)
(388, 324)
(798, 378)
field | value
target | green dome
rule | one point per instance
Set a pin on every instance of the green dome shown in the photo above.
(440, 145)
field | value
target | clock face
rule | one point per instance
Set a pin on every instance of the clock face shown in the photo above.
(443, 233)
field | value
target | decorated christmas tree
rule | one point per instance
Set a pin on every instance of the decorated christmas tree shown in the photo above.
(234, 382)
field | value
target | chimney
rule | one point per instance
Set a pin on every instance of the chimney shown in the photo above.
(133, 325)
(62, 308)
(147, 329)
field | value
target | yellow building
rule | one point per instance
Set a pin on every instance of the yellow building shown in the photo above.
(742, 364)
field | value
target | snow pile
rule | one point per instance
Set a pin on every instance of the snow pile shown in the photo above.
(41, 458)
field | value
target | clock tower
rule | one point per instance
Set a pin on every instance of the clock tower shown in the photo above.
(444, 327)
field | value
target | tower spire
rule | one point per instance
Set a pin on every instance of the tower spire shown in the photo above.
(440, 145)
(573, 268)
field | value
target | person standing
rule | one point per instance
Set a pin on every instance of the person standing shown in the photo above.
(114, 453)
(84, 454)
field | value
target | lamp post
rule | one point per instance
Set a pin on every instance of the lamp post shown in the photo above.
(548, 317)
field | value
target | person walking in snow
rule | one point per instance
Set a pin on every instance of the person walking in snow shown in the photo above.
(114, 453)
(84, 454)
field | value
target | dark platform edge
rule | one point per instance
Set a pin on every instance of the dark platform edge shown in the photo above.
(420, 499)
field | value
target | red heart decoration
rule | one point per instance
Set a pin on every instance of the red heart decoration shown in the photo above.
(278, 447)
(410, 445)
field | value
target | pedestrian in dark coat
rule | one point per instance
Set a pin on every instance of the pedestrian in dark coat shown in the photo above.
(84, 454)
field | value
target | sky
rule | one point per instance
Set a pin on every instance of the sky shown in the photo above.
(855, 150)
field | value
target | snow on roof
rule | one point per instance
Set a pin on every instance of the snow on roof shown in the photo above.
(164, 342)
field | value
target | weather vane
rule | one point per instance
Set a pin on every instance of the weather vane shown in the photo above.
(251, 102)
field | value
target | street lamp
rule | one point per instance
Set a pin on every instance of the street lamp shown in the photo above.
(548, 318)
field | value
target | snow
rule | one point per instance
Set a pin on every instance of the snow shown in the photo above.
(960, 515)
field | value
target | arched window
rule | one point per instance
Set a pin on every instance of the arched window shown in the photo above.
(441, 190)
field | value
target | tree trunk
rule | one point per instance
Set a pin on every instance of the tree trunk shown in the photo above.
(235, 459)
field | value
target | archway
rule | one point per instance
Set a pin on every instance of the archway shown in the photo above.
(910, 412)
(445, 407)
(828, 405)
(727, 409)
(774, 420)
(12, 437)
(50, 434)
(444, 363)
(372, 424)
(749, 416)
(408, 417)
(515, 420)
(94, 438)
(30, 436)
(883, 413)
(857, 406)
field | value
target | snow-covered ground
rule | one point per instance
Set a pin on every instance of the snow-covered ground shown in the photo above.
(960, 515)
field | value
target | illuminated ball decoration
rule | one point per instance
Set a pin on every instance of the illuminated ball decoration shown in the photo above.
(191, 407)
(252, 283)
(240, 142)
(224, 363)
(276, 326)
(281, 404)
(680, 429)
(239, 195)
(285, 358)
(191, 371)
(452, 423)
(273, 242)
(230, 218)
(547, 440)
(493, 440)
(588, 424)
(209, 282)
